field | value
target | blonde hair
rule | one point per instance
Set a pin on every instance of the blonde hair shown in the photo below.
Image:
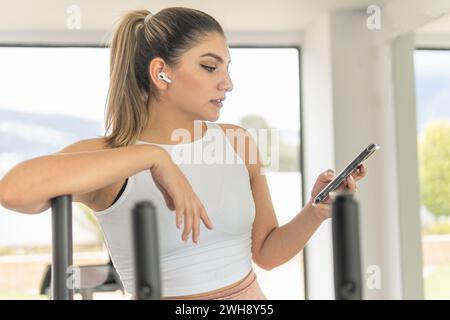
(138, 38)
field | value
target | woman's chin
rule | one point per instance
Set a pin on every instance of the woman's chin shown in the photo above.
(212, 117)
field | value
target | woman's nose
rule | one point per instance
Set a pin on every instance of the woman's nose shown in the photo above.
(227, 84)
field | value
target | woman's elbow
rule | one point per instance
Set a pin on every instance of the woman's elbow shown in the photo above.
(263, 265)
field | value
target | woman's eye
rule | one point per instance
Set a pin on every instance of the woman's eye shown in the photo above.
(210, 69)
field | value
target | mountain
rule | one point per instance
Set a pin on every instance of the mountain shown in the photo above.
(28, 135)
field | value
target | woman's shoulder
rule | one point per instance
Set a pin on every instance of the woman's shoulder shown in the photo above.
(239, 136)
(233, 130)
(230, 126)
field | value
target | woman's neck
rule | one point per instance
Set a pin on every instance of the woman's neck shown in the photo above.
(162, 126)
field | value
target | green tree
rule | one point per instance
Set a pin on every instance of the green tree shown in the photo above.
(256, 122)
(288, 153)
(434, 157)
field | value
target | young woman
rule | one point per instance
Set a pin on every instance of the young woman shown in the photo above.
(169, 74)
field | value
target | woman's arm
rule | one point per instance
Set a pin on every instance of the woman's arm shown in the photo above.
(273, 245)
(283, 243)
(29, 186)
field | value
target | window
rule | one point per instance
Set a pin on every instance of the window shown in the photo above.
(51, 97)
(432, 72)
(261, 99)
(55, 96)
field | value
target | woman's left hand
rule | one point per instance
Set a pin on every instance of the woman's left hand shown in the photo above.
(323, 209)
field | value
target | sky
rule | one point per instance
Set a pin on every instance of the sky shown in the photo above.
(432, 77)
(55, 80)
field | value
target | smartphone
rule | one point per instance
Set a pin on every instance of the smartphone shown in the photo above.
(333, 185)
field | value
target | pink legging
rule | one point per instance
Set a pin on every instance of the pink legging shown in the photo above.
(248, 289)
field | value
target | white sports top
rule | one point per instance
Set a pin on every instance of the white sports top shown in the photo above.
(223, 255)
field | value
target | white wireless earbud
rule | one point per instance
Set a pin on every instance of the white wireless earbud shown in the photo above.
(162, 76)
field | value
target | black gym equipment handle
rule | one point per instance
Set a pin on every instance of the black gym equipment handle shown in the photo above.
(146, 252)
(62, 249)
(346, 249)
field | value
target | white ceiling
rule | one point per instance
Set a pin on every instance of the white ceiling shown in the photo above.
(234, 15)
(439, 26)
(99, 15)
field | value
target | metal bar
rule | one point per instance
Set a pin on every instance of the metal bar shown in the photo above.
(346, 249)
(146, 252)
(62, 250)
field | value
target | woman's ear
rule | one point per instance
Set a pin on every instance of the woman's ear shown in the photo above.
(158, 73)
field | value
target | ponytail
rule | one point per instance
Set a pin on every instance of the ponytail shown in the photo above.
(126, 103)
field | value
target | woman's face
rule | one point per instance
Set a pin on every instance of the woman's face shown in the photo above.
(200, 78)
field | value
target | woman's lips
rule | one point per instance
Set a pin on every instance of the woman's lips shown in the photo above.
(216, 103)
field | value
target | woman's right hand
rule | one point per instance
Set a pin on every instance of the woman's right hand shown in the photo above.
(179, 196)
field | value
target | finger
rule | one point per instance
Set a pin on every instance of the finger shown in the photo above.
(329, 173)
(179, 212)
(179, 217)
(363, 170)
(187, 221)
(196, 226)
(351, 183)
(205, 218)
(187, 224)
(355, 173)
(360, 172)
(331, 197)
(326, 176)
(343, 186)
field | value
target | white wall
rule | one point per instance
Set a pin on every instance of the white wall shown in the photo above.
(363, 107)
(318, 146)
